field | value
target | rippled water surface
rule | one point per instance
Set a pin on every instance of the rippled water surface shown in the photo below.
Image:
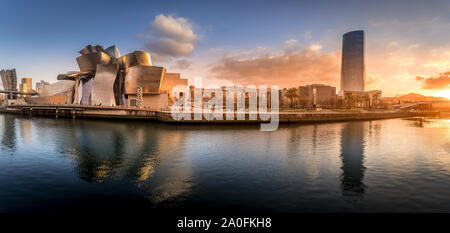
(394, 165)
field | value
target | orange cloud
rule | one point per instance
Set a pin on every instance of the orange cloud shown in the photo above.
(436, 83)
(373, 81)
(287, 69)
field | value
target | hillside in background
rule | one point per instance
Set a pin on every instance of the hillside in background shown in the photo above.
(413, 97)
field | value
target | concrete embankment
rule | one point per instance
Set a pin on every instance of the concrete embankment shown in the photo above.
(295, 117)
(103, 112)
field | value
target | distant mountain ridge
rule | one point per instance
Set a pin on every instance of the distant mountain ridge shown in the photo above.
(414, 97)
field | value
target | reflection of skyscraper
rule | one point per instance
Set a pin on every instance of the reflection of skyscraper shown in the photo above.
(353, 73)
(352, 155)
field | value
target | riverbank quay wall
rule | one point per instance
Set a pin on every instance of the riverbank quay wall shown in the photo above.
(80, 111)
(118, 112)
(294, 117)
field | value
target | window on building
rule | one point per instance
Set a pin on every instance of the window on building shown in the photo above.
(133, 102)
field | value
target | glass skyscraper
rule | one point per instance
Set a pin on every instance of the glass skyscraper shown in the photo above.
(353, 72)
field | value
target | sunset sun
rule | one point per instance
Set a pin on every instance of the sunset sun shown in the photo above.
(442, 93)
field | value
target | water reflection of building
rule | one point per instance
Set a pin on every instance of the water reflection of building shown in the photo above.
(8, 131)
(104, 150)
(98, 150)
(25, 130)
(352, 155)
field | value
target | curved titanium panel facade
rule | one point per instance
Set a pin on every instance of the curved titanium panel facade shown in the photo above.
(79, 95)
(171, 80)
(86, 88)
(102, 92)
(88, 62)
(59, 87)
(113, 51)
(91, 49)
(135, 58)
(149, 78)
(353, 73)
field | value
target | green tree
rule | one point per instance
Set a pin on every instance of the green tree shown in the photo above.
(293, 94)
(351, 99)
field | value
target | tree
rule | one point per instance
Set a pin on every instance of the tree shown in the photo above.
(292, 93)
(351, 99)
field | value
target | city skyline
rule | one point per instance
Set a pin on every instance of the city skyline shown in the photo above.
(237, 115)
(295, 45)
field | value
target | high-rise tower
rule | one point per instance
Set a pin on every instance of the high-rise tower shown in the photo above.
(9, 79)
(353, 72)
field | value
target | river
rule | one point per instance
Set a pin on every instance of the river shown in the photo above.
(394, 165)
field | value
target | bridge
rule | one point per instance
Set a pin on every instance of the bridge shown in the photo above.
(19, 92)
(417, 104)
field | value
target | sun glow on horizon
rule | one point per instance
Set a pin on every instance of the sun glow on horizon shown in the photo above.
(442, 93)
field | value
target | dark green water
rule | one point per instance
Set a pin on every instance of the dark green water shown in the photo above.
(391, 165)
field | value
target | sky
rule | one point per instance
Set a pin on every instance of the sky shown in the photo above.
(287, 43)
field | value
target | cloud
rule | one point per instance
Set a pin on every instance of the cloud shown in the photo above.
(439, 60)
(182, 64)
(436, 83)
(290, 43)
(374, 81)
(401, 61)
(308, 36)
(393, 43)
(287, 69)
(170, 37)
(315, 47)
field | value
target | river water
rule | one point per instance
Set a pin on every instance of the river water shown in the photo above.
(394, 165)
